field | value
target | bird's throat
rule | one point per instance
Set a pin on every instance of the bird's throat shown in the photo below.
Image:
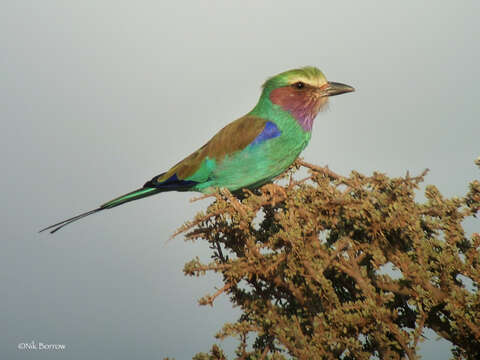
(303, 106)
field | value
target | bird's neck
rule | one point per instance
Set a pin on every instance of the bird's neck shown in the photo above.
(267, 110)
(282, 117)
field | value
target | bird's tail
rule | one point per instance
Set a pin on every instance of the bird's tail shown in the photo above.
(131, 196)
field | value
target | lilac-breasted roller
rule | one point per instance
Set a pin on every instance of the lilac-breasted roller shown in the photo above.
(249, 151)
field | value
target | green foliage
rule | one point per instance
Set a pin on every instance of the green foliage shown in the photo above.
(307, 263)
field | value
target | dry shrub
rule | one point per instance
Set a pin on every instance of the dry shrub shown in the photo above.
(307, 264)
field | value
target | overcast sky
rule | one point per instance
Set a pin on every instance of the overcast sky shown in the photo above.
(96, 97)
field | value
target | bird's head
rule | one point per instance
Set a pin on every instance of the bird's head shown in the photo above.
(302, 92)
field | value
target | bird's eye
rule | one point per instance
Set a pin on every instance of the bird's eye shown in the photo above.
(299, 85)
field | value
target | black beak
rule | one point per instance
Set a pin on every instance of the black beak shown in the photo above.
(335, 88)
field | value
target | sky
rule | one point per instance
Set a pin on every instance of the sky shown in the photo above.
(97, 97)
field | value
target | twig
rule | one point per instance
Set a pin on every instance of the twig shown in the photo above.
(265, 352)
(234, 201)
(210, 299)
(220, 253)
(202, 197)
(324, 170)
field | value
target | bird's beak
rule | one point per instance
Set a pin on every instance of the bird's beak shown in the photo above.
(334, 88)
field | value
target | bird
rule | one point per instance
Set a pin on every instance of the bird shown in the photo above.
(250, 151)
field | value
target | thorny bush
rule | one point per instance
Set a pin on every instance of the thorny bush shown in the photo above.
(334, 267)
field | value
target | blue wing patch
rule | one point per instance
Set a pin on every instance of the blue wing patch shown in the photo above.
(270, 131)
